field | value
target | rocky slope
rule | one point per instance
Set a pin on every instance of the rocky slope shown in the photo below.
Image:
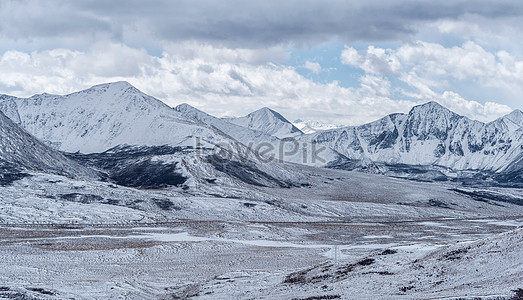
(431, 135)
(267, 145)
(21, 152)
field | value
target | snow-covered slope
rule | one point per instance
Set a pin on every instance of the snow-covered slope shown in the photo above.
(489, 268)
(195, 171)
(21, 151)
(242, 134)
(9, 108)
(431, 135)
(108, 115)
(310, 126)
(117, 115)
(268, 145)
(267, 121)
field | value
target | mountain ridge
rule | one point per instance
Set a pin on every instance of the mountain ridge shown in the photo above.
(112, 114)
(430, 134)
(108, 115)
(267, 121)
(271, 145)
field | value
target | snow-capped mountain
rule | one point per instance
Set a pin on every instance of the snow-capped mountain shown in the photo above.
(110, 115)
(267, 121)
(240, 133)
(131, 124)
(268, 145)
(430, 134)
(105, 116)
(309, 126)
(20, 151)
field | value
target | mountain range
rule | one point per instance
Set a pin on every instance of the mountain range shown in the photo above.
(105, 116)
(253, 206)
(118, 116)
(430, 134)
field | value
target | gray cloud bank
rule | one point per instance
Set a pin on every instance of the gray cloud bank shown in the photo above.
(231, 23)
(222, 56)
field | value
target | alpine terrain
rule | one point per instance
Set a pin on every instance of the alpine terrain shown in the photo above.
(109, 193)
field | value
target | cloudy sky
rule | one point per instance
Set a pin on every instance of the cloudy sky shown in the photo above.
(342, 62)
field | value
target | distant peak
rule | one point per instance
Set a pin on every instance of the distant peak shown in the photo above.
(191, 112)
(266, 110)
(182, 106)
(185, 107)
(123, 84)
(430, 107)
(117, 85)
(431, 104)
(262, 110)
(45, 95)
(515, 116)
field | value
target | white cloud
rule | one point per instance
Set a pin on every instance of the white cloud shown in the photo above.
(192, 50)
(376, 85)
(217, 80)
(435, 65)
(494, 33)
(63, 70)
(472, 109)
(314, 67)
(223, 81)
(373, 60)
(431, 70)
(350, 56)
(469, 61)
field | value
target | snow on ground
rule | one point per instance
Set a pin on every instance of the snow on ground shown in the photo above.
(342, 235)
(491, 267)
(137, 263)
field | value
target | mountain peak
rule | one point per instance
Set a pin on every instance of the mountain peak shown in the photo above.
(117, 84)
(515, 116)
(267, 121)
(265, 111)
(118, 87)
(432, 105)
(191, 111)
(101, 117)
(184, 107)
(431, 108)
(119, 93)
(429, 121)
(310, 126)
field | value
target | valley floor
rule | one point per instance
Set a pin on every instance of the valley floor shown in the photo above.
(346, 236)
(429, 259)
